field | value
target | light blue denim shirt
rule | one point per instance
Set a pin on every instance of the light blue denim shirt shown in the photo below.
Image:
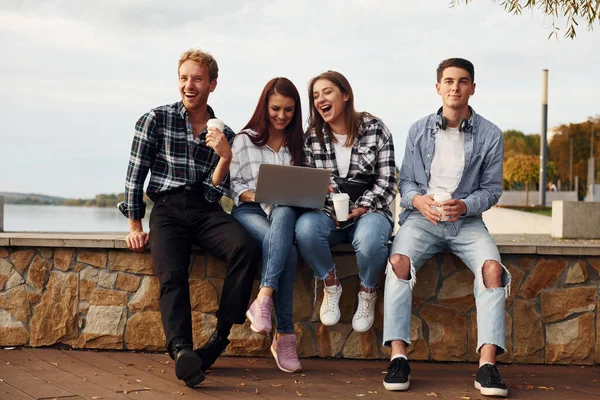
(480, 186)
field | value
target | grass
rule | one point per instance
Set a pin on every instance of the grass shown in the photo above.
(546, 211)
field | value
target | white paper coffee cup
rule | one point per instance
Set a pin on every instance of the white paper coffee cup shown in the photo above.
(442, 197)
(341, 205)
(215, 123)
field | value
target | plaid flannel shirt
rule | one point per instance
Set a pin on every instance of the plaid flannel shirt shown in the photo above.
(164, 144)
(372, 154)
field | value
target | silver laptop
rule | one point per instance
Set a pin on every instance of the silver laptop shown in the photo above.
(292, 186)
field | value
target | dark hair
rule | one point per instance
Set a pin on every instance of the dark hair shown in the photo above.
(456, 62)
(259, 122)
(352, 118)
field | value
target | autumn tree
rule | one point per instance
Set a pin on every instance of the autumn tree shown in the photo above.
(525, 169)
(516, 142)
(574, 11)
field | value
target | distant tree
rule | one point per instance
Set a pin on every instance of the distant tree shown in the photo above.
(516, 142)
(573, 10)
(525, 169)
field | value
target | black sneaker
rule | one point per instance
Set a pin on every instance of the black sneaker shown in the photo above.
(398, 375)
(211, 350)
(188, 366)
(489, 383)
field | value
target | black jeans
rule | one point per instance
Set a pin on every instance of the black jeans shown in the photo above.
(178, 220)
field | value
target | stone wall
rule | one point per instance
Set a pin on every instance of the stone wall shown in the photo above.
(107, 298)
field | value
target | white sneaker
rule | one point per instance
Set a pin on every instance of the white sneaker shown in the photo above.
(330, 307)
(365, 312)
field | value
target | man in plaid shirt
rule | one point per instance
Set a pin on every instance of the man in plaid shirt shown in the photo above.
(189, 166)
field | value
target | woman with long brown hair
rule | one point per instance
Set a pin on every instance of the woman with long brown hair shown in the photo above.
(274, 136)
(358, 149)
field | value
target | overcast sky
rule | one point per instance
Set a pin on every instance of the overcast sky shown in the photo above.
(76, 75)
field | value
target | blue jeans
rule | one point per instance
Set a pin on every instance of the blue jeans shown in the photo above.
(275, 236)
(315, 233)
(419, 240)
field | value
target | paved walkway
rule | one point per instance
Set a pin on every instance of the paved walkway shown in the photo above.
(505, 221)
(27, 374)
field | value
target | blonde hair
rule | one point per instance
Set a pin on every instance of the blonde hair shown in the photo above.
(203, 58)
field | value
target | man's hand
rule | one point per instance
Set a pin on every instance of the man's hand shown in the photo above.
(423, 203)
(357, 212)
(454, 209)
(137, 239)
(216, 140)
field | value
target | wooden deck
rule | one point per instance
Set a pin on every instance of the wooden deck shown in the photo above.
(27, 374)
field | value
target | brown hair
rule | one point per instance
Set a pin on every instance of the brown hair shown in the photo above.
(456, 62)
(294, 136)
(203, 58)
(352, 118)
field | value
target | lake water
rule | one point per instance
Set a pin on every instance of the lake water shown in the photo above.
(38, 218)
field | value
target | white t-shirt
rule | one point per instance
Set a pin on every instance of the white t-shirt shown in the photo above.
(448, 161)
(342, 154)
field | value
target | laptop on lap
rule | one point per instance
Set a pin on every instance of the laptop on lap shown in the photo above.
(292, 186)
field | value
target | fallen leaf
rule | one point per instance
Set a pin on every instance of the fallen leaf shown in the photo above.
(179, 393)
(256, 391)
(545, 387)
(236, 389)
(360, 395)
(465, 397)
(55, 364)
(96, 397)
(162, 371)
(331, 374)
(302, 374)
(277, 385)
(297, 381)
(247, 370)
(348, 381)
(529, 387)
(138, 380)
(434, 394)
(300, 394)
(241, 384)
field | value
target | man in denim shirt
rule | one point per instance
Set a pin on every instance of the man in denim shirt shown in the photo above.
(457, 154)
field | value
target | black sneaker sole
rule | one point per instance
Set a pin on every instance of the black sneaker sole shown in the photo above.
(498, 392)
(188, 368)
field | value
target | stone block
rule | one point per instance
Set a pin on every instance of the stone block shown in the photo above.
(427, 281)
(104, 327)
(448, 265)
(14, 279)
(5, 270)
(559, 304)
(46, 253)
(38, 272)
(63, 259)
(597, 352)
(203, 296)
(55, 317)
(361, 345)
(303, 294)
(16, 302)
(84, 307)
(457, 291)
(304, 341)
(330, 339)
(215, 268)
(527, 263)
(447, 333)
(127, 261)
(12, 331)
(3, 252)
(516, 278)
(245, 342)
(198, 266)
(21, 259)
(127, 282)
(528, 333)
(571, 341)
(575, 220)
(545, 274)
(203, 326)
(146, 297)
(577, 273)
(107, 279)
(345, 265)
(144, 331)
(106, 297)
(419, 348)
(95, 258)
(595, 263)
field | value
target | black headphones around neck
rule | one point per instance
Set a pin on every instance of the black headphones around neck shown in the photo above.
(463, 126)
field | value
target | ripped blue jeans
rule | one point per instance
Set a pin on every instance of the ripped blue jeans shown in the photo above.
(419, 240)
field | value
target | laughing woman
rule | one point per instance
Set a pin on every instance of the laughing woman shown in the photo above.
(358, 150)
(272, 136)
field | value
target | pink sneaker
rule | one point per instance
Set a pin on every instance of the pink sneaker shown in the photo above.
(259, 315)
(284, 351)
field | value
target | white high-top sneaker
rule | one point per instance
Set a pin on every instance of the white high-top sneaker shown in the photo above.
(365, 312)
(330, 307)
